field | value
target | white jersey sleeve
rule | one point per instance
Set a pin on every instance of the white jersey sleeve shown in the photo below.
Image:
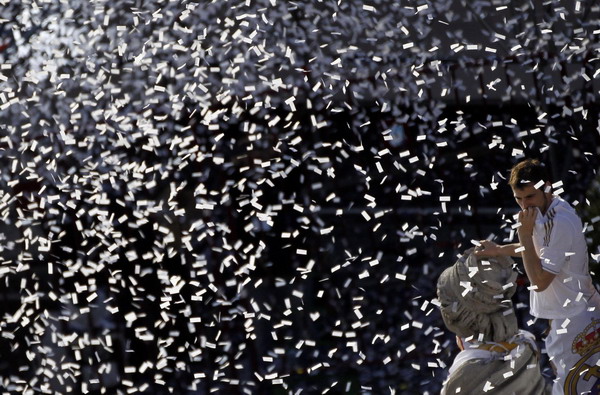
(560, 243)
(557, 247)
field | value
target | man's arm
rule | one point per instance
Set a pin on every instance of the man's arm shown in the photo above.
(490, 249)
(538, 277)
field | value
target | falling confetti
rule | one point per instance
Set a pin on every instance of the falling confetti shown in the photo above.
(245, 195)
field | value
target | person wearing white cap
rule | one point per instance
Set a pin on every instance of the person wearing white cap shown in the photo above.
(496, 357)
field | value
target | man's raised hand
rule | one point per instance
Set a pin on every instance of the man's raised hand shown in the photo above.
(487, 248)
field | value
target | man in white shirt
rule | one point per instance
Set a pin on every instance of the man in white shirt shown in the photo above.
(555, 257)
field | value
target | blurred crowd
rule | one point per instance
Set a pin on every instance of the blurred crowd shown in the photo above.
(258, 196)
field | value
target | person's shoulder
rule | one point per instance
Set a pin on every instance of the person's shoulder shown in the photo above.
(564, 215)
(559, 203)
(560, 207)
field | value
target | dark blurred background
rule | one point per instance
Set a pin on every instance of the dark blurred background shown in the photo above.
(258, 196)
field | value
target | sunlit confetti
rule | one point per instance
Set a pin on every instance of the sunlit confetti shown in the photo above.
(235, 196)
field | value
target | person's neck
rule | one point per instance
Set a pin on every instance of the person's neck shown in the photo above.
(549, 200)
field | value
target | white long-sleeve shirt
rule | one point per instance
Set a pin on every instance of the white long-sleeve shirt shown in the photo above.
(560, 243)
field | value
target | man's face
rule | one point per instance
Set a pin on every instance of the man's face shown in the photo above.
(529, 196)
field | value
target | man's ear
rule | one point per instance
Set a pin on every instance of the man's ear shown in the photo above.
(547, 187)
